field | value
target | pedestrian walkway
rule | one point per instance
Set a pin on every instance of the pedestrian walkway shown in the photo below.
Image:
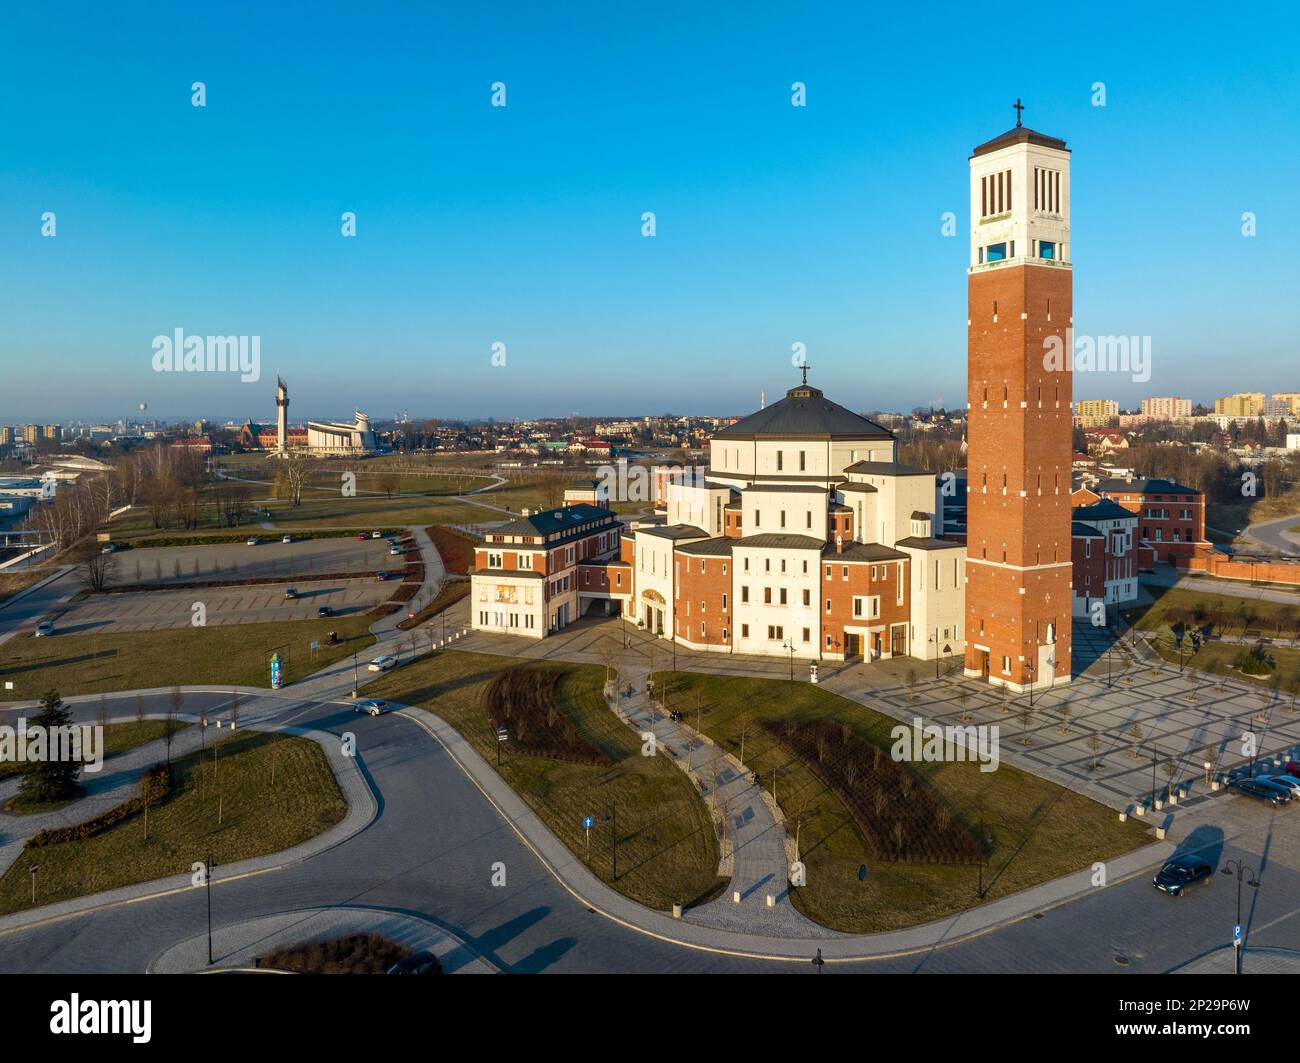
(754, 844)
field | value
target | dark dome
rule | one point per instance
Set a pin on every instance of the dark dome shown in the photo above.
(804, 413)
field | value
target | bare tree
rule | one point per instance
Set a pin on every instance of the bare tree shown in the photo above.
(295, 470)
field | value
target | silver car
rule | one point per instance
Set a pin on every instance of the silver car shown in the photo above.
(372, 707)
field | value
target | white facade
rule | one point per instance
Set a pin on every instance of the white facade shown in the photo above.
(1020, 197)
(775, 601)
(938, 592)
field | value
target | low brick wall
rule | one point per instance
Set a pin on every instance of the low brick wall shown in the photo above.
(1224, 566)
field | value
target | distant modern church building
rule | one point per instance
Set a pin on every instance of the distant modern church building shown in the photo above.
(321, 438)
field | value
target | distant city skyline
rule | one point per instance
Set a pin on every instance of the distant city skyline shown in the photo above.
(775, 225)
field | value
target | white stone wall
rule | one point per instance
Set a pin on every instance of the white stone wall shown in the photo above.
(792, 617)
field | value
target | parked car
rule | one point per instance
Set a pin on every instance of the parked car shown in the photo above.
(394, 551)
(381, 576)
(361, 536)
(324, 610)
(1265, 780)
(286, 538)
(45, 627)
(372, 707)
(382, 664)
(109, 548)
(252, 541)
(1182, 872)
(1250, 788)
(376, 535)
(291, 594)
(1293, 767)
(417, 963)
(1290, 782)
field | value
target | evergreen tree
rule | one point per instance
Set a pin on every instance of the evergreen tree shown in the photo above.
(50, 779)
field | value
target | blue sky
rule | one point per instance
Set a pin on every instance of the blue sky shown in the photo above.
(522, 224)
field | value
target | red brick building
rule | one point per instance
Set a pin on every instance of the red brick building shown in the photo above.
(1171, 517)
(1020, 293)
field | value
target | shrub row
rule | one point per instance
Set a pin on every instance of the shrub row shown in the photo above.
(899, 815)
(155, 785)
(522, 700)
(455, 548)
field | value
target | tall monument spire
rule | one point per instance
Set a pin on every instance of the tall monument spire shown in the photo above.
(281, 414)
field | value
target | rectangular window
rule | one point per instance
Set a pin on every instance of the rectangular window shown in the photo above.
(744, 631)
(995, 252)
(1046, 249)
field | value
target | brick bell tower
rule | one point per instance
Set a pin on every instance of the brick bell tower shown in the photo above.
(1019, 456)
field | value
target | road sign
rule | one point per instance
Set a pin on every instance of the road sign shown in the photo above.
(1236, 936)
(34, 868)
(588, 821)
(503, 735)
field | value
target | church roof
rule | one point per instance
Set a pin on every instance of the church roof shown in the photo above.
(1020, 135)
(804, 413)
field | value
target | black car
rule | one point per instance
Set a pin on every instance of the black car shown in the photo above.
(324, 610)
(1263, 791)
(1182, 872)
(417, 963)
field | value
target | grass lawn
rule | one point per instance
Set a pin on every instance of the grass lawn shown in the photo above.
(118, 738)
(12, 583)
(1039, 830)
(256, 818)
(236, 654)
(667, 850)
(1228, 615)
(1231, 614)
(450, 593)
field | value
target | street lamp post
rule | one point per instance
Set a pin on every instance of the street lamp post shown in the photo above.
(207, 885)
(1240, 869)
(789, 645)
(612, 816)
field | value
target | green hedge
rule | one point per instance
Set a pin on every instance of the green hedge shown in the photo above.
(154, 787)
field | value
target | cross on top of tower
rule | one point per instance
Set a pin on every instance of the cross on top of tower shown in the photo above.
(1019, 107)
(805, 367)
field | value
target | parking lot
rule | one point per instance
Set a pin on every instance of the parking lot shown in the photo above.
(173, 608)
(159, 566)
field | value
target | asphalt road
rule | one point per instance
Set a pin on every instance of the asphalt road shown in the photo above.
(1276, 534)
(431, 849)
